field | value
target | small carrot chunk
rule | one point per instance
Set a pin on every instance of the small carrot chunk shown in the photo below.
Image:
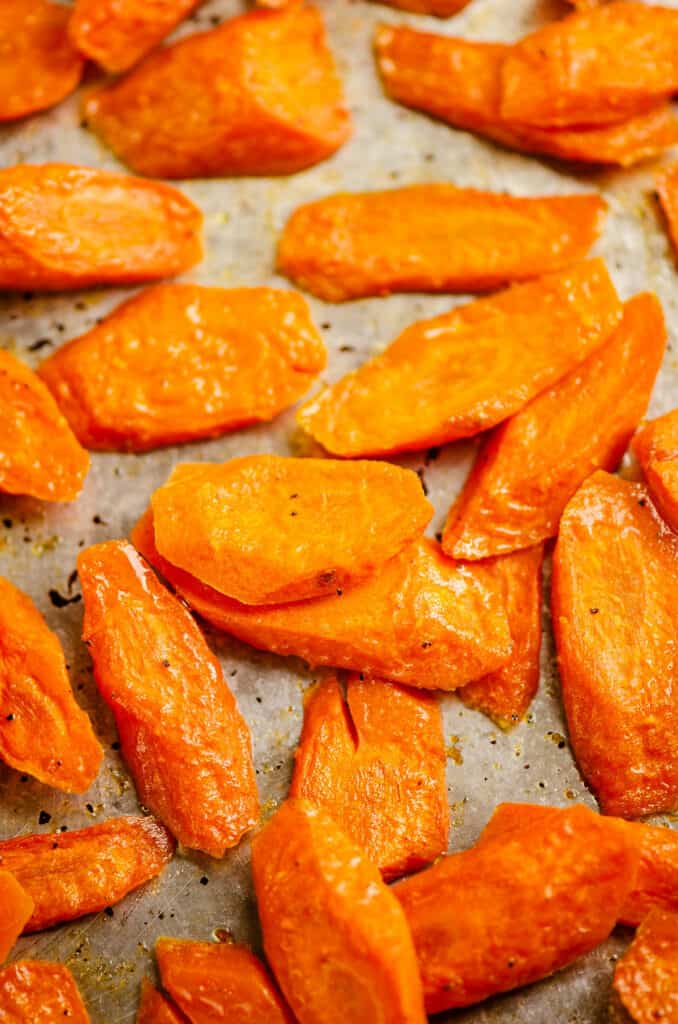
(646, 977)
(212, 982)
(181, 362)
(39, 66)
(531, 466)
(118, 33)
(258, 95)
(433, 238)
(16, 907)
(36, 699)
(334, 933)
(40, 454)
(656, 447)
(187, 745)
(462, 372)
(264, 529)
(83, 872)
(516, 907)
(614, 598)
(422, 620)
(436, 8)
(376, 763)
(667, 190)
(63, 226)
(34, 990)
(156, 1008)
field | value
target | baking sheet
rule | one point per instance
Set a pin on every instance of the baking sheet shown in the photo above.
(197, 897)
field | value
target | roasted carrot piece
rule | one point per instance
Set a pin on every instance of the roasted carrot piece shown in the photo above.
(258, 95)
(34, 990)
(39, 66)
(667, 189)
(375, 762)
(614, 595)
(334, 933)
(656, 447)
(214, 982)
(16, 907)
(264, 529)
(517, 907)
(462, 372)
(506, 694)
(187, 745)
(436, 8)
(156, 1008)
(530, 467)
(63, 226)
(181, 362)
(646, 977)
(117, 33)
(40, 454)
(36, 699)
(422, 620)
(82, 872)
(433, 238)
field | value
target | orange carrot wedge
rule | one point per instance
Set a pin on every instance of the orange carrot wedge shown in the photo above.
(656, 447)
(156, 1008)
(33, 991)
(646, 977)
(117, 33)
(16, 907)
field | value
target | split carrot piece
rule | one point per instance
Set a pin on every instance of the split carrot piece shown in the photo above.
(264, 529)
(63, 226)
(516, 908)
(433, 238)
(531, 466)
(614, 595)
(40, 454)
(34, 990)
(187, 745)
(17, 907)
(436, 8)
(40, 66)
(505, 694)
(71, 874)
(212, 982)
(422, 620)
(156, 1008)
(646, 977)
(334, 933)
(462, 372)
(258, 95)
(656, 447)
(118, 33)
(36, 698)
(181, 362)
(375, 761)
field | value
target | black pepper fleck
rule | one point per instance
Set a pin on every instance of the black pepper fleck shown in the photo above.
(44, 818)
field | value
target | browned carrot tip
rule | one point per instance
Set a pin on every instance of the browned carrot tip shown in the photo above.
(656, 447)
(16, 907)
(34, 990)
(117, 35)
(646, 977)
(157, 1008)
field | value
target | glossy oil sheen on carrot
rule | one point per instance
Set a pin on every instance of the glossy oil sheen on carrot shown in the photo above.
(157, 1008)
(117, 33)
(646, 977)
(35, 990)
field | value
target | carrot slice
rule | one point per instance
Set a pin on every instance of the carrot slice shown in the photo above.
(82, 872)
(117, 33)
(615, 588)
(39, 66)
(264, 529)
(376, 763)
(462, 372)
(517, 907)
(34, 990)
(36, 697)
(436, 8)
(422, 620)
(258, 95)
(667, 190)
(506, 694)
(656, 447)
(530, 467)
(187, 745)
(646, 977)
(40, 454)
(17, 907)
(334, 933)
(63, 226)
(156, 1008)
(433, 238)
(181, 362)
(214, 982)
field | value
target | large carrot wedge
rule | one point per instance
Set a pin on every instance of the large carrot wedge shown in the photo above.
(376, 763)
(258, 95)
(34, 990)
(656, 447)
(614, 598)
(39, 454)
(506, 694)
(156, 1008)
(646, 977)
(39, 66)
(82, 872)
(63, 226)
(16, 907)
(462, 372)
(334, 934)
(433, 238)
(516, 908)
(36, 701)
(186, 743)
(264, 529)
(213, 982)
(530, 467)
(117, 34)
(181, 362)
(422, 620)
